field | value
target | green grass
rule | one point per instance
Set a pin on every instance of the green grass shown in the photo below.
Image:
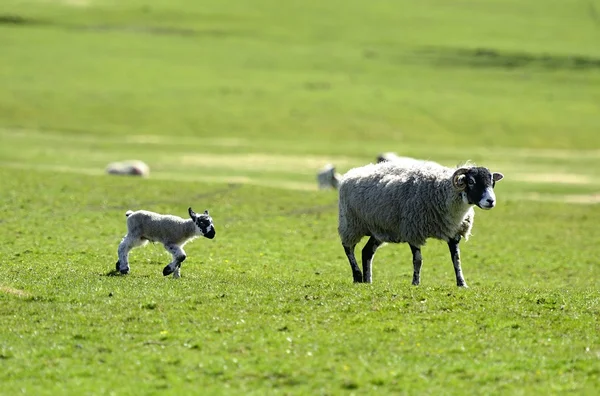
(269, 304)
(235, 105)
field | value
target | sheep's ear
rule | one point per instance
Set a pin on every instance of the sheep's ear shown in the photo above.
(206, 212)
(497, 176)
(192, 213)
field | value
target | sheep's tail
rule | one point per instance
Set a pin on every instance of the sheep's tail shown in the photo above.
(128, 213)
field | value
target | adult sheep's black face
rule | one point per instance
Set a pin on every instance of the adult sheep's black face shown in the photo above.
(477, 186)
(204, 223)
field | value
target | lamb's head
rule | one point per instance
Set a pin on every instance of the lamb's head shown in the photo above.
(204, 223)
(476, 186)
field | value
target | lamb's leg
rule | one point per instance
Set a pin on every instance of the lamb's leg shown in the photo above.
(368, 253)
(417, 262)
(178, 258)
(128, 243)
(177, 272)
(358, 278)
(455, 254)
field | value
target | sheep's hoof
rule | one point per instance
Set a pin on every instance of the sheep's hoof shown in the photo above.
(464, 286)
(124, 271)
(167, 270)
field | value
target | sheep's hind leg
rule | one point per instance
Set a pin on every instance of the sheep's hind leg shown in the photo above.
(178, 257)
(356, 274)
(455, 254)
(417, 263)
(368, 253)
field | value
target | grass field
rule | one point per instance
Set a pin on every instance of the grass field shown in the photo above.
(235, 106)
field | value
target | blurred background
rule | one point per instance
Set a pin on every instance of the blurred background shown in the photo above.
(267, 92)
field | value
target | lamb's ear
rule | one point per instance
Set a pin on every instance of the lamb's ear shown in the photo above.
(497, 176)
(193, 214)
(206, 212)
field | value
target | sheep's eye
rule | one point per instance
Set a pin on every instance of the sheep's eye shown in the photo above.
(471, 181)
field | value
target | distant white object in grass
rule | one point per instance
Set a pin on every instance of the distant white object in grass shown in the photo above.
(328, 178)
(172, 231)
(131, 167)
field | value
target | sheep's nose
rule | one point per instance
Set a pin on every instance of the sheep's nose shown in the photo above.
(491, 202)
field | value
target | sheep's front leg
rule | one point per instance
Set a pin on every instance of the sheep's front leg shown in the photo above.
(455, 254)
(368, 253)
(356, 274)
(417, 263)
(178, 258)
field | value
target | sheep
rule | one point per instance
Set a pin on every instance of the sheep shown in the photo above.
(396, 202)
(387, 157)
(328, 178)
(405, 161)
(132, 167)
(172, 231)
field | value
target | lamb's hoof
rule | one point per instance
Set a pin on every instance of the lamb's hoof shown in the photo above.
(124, 271)
(167, 270)
(464, 286)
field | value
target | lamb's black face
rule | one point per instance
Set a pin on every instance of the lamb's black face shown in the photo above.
(479, 188)
(204, 223)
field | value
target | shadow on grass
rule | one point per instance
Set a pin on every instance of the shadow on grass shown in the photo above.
(493, 58)
(112, 272)
(17, 20)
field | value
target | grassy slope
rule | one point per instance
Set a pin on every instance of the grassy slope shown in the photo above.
(265, 93)
(305, 72)
(275, 307)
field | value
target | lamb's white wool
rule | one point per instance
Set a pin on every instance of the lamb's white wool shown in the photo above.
(172, 231)
(410, 201)
(133, 168)
(328, 178)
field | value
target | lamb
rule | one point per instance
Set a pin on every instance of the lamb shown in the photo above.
(399, 202)
(172, 231)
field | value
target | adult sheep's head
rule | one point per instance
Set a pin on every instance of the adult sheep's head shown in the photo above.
(476, 185)
(204, 223)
